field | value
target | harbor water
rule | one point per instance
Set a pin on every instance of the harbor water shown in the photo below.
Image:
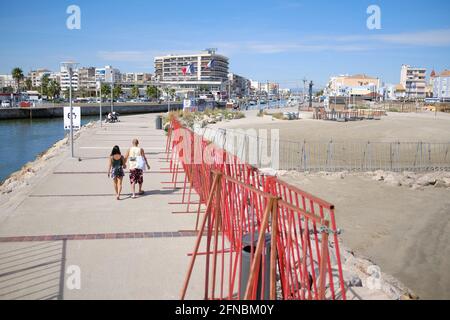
(21, 141)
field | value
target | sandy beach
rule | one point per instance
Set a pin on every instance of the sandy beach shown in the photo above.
(406, 231)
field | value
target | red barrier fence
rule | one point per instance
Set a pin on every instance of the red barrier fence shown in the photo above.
(265, 239)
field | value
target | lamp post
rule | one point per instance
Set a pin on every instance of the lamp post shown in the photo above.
(69, 66)
(99, 85)
(112, 96)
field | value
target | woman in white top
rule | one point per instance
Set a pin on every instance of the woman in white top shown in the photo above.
(136, 159)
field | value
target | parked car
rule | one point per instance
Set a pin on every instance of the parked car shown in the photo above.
(25, 104)
(6, 104)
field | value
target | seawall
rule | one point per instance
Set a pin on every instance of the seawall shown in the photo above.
(86, 110)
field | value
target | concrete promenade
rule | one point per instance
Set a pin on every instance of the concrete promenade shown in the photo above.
(69, 219)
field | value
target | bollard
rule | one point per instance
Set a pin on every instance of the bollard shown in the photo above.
(159, 123)
(248, 248)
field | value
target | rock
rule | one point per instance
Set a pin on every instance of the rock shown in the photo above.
(446, 181)
(268, 172)
(352, 280)
(440, 184)
(393, 180)
(427, 180)
(407, 182)
(379, 176)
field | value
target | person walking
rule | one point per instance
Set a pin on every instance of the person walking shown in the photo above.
(137, 163)
(116, 166)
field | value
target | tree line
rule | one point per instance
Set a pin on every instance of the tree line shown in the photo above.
(52, 89)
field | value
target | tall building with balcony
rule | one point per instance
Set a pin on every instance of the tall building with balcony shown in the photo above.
(37, 75)
(441, 86)
(192, 71)
(414, 81)
(86, 80)
(65, 79)
(6, 81)
(108, 74)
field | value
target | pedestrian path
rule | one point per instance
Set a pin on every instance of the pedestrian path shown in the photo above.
(128, 249)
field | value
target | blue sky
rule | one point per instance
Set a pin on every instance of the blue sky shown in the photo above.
(277, 40)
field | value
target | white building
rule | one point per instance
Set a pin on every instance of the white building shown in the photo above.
(441, 86)
(108, 74)
(6, 80)
(65, 79)
(414, 81)
(351, 86)
(192, 71)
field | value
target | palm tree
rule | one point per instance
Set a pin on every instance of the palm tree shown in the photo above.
(28, 84)
(45, 80)
(135, 92)
(17, 75)
(53, 89)
(106, 90)
(117, 92)
(152, 92)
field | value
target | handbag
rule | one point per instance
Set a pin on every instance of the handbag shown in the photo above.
(140, 163)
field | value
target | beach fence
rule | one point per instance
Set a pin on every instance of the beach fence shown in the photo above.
(335, 156)
(259, 238)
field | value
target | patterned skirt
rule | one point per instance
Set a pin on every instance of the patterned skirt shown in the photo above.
(137, 176)
(117, 173)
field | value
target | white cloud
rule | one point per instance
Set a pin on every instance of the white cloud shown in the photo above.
(431, 38)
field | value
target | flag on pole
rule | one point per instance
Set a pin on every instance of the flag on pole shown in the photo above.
(211, 64)
(190, 69)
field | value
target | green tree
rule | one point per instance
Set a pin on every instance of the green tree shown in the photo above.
(28, 84)
(117, 92)
(17, 75)
(106, 90)
(82, 93)
(53, 89)
(152, 92)
(45, 80)
(135, 92)
(204, 88)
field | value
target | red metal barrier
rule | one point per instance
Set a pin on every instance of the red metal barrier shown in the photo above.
(265, 239)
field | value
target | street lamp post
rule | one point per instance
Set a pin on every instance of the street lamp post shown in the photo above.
(69, 66)
(112, 96)
(99, 84)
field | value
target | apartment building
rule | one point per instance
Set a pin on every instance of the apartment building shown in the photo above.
(108, 74)
(136, 78)
(65, 79)
(414, 81)
(441, 86)
(86, 80)
(353, 85)
(6, 80)
(238, 85)
(192, 71)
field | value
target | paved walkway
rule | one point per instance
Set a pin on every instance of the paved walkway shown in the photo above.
(129, 249)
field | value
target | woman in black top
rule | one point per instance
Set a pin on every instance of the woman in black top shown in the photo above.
(115, 169)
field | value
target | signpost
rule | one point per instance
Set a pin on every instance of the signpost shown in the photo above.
(75, 119)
